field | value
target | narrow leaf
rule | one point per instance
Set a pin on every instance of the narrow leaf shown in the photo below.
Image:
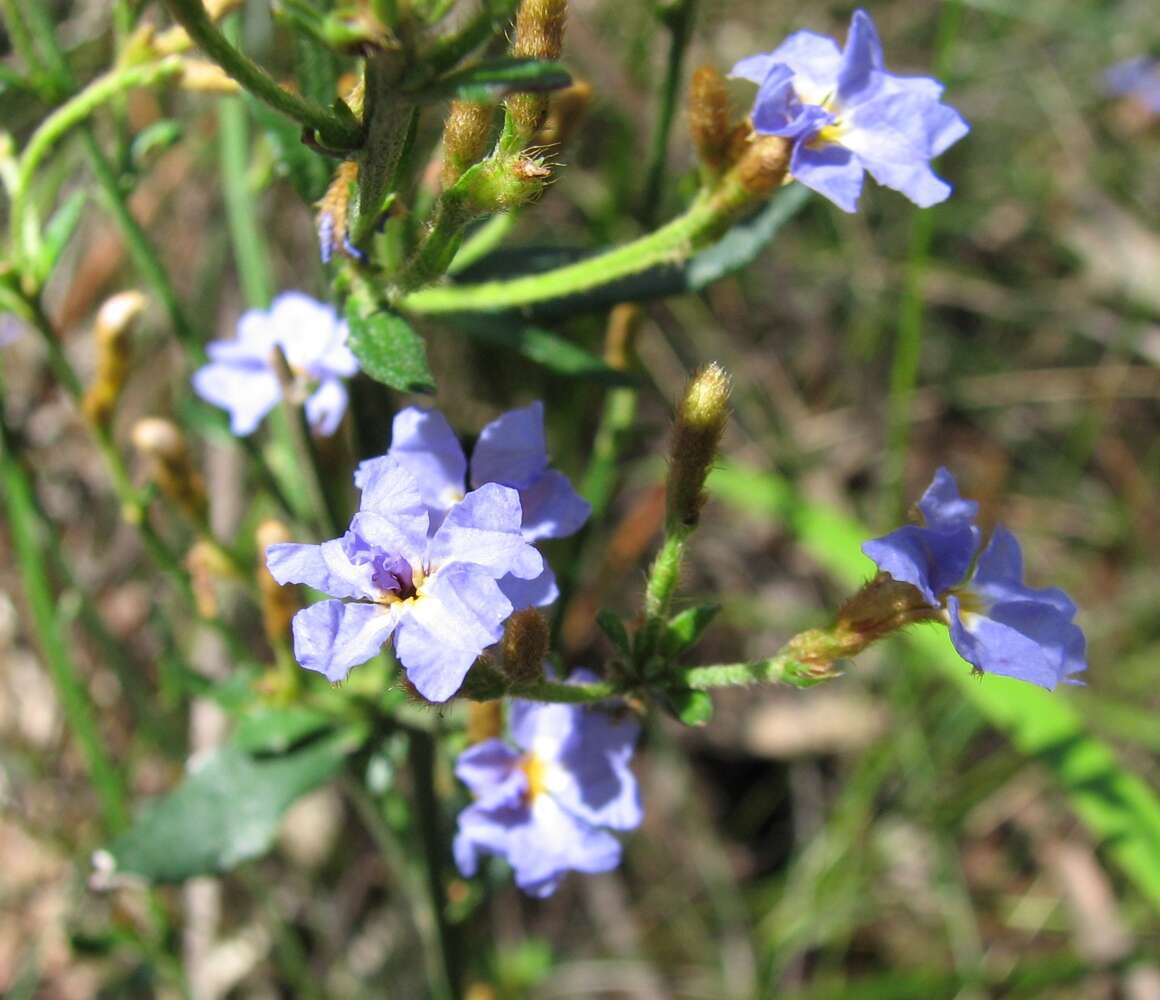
(276, 728)
(684, 629)
(58, 232)
(389, 350)
(693, 708)
(611, 625)
(494, 78)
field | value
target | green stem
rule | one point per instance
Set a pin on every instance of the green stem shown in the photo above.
(27, 530)
(336, 132)
(780, 669)
(659, 591)
(679, 19)
(483, 241)
(68, 116)
(705, 219)
(566, 694)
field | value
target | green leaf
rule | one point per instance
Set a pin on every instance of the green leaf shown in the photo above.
(547, 349)
(153, 140)
(389, 350)
(684, 629)
(611, 625)
(276, 728)
(225, 812)
(307, 171)
(693, 708)
(1117, 807)
(58, 232)
(493, 78)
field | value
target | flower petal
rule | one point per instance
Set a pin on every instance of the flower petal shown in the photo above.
(593, 780)
(246, 392)
(390, 491)
(424, 444)
(511, 450)
(941, 506)
(459, 614)
(552, 508)
(331, 637)
(554, 843)
(932, 561)
(484, 529)
(861, 58)
(491, 770)
(538, 592)
(324, 567)
(999, 576)
(326, 405)
(304, 327)
(831, 170)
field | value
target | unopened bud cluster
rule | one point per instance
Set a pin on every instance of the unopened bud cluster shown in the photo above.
(171, 466)
(700, 422)
(112, 333)
(539, 34)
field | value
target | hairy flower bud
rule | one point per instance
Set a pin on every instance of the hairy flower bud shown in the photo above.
(762, 168)
(709, 117)
(525, 644)
(333, 212)
(697, 432)
(279, 604)
(170, 465)
(465, 137)
(202, 76)
(539, 35)
(112, 332)
(484, 721)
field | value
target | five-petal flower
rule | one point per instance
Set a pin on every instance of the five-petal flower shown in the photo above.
(847, 115)
(241, 377)
(511, 451)
(548, 803)
(435, 593)
(997, 623)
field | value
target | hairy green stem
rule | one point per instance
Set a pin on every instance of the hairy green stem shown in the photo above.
(705, 219)
(336, 132)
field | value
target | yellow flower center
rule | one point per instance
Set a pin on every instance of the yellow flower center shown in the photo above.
(536, 770)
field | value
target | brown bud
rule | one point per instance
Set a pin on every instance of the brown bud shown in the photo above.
(170, 465)
(465, 137)
(202, 76)
(333, 207)
(539, 35)
(279, 603)
(525, 645)
(484, 720)
(701, 420)
(709, 117)
(763, 166)
(205, 567)
(112, 332)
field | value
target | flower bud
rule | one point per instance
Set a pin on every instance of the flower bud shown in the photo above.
(170, 465)
(202, 76)
(709, 117)
(763, 166)
(700, 423)
(112, 332)
(484, 720)
(333, 209)
(525, 645)
(466, 134)
(206, 566)
(279, 603)
(539, 35)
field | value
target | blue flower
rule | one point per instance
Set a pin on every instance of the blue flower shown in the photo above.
(548, 803)
(997, 623)
(241, 377)
(1137, 79)
(435, 594)
(847, 115)
(511, 451)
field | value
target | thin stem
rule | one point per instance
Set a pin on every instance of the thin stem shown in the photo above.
(27, 530)
(779, 669)
(679, 19)
(483, 241)
(400, 862)
(335, 132)
(704, 220)
(663, 578)
(249, 247)
(68, 116)
(568, 694)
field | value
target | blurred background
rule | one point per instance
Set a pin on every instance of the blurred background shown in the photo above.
(883, 835)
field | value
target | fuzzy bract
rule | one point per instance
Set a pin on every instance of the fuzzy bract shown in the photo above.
(847, 115)
(241, 378)
(548, 803)
(997, 623)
